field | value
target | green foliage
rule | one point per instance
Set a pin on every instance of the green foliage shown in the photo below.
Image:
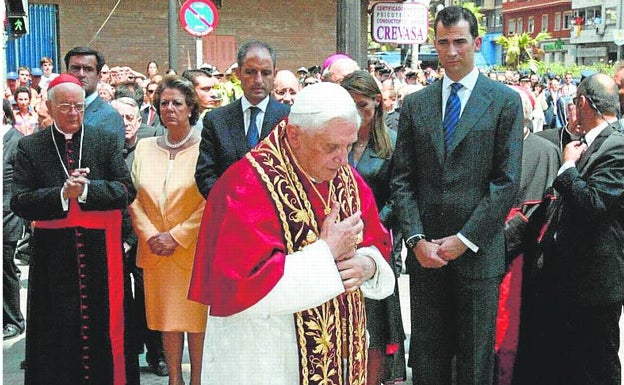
(476, 10)
(522, 48)
(560, 69)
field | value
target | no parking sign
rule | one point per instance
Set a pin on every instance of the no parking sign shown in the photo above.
(198, 17)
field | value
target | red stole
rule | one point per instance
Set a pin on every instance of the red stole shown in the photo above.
(110, 222)
(336, 330)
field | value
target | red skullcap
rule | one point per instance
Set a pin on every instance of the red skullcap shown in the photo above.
(64, 78)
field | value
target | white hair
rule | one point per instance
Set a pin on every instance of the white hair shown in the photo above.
(318, 104)
(52, 91)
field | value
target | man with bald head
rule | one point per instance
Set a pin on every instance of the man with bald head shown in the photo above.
(72, 182)
(285, 87)
(584, 244)
(340, 68)
(618, 76)
(230, 131)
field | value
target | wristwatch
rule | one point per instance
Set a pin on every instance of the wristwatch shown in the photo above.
(411, 243)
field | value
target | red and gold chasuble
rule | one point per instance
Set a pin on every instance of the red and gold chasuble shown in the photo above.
(333, 333)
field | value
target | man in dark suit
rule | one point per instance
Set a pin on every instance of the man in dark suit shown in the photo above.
(135, 128)
(13, 227)
(148, 110)
(226, 135)
(86, 63)
(456, 176)
(584, 244)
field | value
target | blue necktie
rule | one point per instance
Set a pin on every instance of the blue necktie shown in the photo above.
(252, 131)
(451, 116)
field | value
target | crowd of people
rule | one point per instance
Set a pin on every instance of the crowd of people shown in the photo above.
(264, 216)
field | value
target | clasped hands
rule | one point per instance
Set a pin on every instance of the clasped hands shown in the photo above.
(162, 244)
(438, 252)
(74, 185)
(342, 238)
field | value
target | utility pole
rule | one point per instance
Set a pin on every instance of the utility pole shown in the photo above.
(173, 34)
(350, 36)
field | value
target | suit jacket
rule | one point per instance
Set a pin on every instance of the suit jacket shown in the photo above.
(376, 172)
(101, 114)
(469, 190)
(144, 116)
(39, 175)
(586, 257)
(224, 141)
(558, 136)
(12, 225)
(144, 131)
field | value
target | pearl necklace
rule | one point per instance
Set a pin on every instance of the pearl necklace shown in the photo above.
(180, 143)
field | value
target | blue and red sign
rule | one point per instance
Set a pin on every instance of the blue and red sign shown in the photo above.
(198, 17)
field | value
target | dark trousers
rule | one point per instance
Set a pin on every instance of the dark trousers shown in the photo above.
(11, 287)
(151, 338)
(585, 342)
(452, 317)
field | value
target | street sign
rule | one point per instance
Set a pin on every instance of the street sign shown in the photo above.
(198, 17)
(400, 23)
(18, 25)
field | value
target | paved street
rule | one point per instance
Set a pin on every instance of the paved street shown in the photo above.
(13, 353)
(13, 350)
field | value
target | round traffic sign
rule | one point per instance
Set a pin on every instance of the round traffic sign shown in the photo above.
(198, 17)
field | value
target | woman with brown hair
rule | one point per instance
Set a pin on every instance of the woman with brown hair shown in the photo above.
(26, 119)
(371, 156)
(166, 217)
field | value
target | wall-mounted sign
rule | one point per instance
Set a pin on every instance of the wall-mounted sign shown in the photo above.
(400, 23)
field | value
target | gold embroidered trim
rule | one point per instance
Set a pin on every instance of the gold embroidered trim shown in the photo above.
(327, 326)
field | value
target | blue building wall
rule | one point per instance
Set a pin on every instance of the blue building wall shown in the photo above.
(491, 51)
(41, 39)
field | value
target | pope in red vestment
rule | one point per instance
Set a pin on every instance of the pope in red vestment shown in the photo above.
(289, 245)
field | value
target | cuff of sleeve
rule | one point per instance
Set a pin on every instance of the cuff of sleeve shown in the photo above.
(64, 202)
(83, 197)
(467, 242)
(565, 166)
(381, 285)
(177, 233)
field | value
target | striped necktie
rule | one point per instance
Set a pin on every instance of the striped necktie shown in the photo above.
(451, 115)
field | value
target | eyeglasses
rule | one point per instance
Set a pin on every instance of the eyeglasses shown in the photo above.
(67, 107)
